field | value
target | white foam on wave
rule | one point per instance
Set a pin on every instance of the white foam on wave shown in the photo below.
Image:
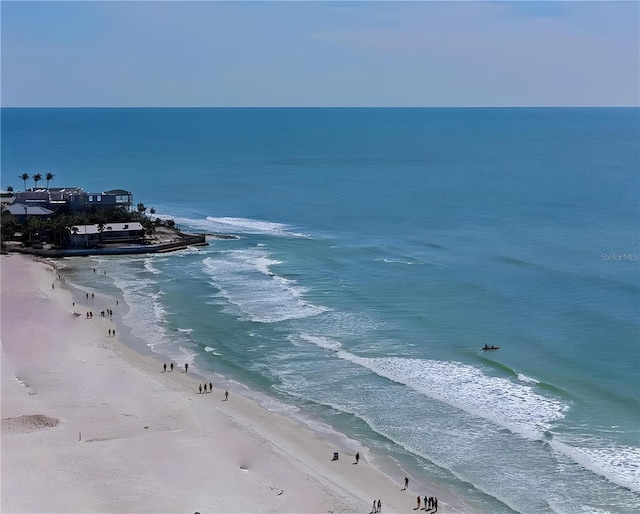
(149, 266)
(262, 264)
(512, 405)
(526, 379)
(146, 317)
(247, 225)
(185, 330)
(321, 341)
(618, 464)
(245, 279)
(186, 252)
(231, 225)
(400, 260)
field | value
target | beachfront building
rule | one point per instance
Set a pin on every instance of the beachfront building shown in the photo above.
(90, 236)
(74, 198)
(21, 211)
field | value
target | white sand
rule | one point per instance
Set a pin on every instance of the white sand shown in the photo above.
(88, 425)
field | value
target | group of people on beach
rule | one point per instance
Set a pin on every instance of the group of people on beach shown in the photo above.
(164, 370)
(429, 503)
(203, 388)
(107, 313)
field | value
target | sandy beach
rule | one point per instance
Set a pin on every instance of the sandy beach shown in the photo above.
(89, 425)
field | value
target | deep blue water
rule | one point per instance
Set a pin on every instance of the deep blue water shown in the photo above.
(379, 250)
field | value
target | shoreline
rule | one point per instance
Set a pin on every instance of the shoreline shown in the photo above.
(185, 241)
(122, 402)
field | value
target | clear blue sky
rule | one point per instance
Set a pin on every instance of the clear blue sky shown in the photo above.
(320, 53)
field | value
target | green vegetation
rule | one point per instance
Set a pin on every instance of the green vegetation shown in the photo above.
(53, 230)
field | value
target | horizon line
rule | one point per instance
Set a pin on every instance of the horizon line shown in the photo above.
(322, 107)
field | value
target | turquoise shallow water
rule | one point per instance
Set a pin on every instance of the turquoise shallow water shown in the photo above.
(379, 250)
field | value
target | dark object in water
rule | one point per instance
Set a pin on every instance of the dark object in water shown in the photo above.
(485, 347)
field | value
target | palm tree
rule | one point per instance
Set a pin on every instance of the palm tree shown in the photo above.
(149, 227)
(60, 225)
(37, 178)
(74, 230)
(9, 226)
(49, 176)
(24, 177)
(101, 228)
(34, 227)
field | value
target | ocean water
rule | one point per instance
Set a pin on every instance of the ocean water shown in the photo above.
(378, 250)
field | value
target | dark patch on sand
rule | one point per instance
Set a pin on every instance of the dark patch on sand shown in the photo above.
(29, 423)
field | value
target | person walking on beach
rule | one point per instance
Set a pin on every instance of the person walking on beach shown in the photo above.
(226, 396)
(357, 457)
(165, 367)
(186, 367)
(425, 503)
(200, 388)
(172, 366)
(210, 387)
(379, 506)
(406, 483)
(418, 499)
